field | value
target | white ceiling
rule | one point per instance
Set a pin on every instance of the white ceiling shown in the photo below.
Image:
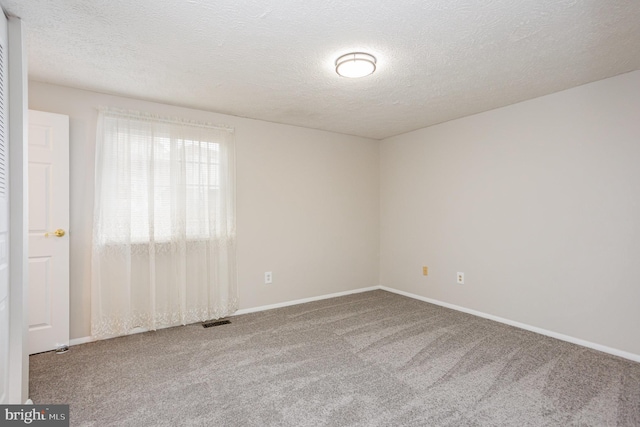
(273, 59)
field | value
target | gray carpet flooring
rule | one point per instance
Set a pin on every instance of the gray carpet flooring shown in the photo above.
(369, 359)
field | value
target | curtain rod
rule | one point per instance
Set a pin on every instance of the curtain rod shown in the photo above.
(141, 115)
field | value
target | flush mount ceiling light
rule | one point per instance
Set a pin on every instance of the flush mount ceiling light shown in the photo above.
(356, 64)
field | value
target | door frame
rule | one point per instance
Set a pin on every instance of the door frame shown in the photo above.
(18, 213)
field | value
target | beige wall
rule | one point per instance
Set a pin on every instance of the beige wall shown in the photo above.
(538, 203)
(307, 208)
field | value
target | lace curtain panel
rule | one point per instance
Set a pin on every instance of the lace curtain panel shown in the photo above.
(164, 234)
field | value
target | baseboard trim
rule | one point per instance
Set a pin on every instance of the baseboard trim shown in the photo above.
(303, 300)
(82, 340)
(138, 330)
(562, 337)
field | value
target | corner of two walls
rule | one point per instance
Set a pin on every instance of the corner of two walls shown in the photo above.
(307, 202)
(538, 203)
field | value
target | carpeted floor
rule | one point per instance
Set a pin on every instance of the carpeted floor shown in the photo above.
(369, 359)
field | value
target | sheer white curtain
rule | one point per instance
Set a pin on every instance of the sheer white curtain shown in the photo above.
(164, 235)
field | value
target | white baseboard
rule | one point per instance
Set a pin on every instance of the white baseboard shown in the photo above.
(562, 337)
(134, 331)
(82, 340)
(303, 301)
(85, 340)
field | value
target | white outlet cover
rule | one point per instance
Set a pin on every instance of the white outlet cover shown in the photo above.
(268, 277)
(460, 278)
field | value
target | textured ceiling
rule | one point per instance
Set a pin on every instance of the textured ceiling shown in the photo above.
(273, 60)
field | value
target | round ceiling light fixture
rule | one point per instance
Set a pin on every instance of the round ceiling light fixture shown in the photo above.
(356, 64)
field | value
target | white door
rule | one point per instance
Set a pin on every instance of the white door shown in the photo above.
(48, 231)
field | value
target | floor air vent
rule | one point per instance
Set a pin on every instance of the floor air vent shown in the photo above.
(217, 323)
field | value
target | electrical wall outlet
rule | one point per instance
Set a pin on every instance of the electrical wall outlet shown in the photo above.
(268, 278)
(460, 278)
(425, 271)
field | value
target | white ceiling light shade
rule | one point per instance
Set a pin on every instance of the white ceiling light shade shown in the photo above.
(356, 64)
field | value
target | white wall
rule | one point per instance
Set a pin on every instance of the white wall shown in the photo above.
(538, 203)
(307, 202)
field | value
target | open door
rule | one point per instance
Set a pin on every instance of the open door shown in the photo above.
(48, 231)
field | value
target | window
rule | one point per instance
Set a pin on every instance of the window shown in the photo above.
(153, 214)
(164, 223)
(162, 180)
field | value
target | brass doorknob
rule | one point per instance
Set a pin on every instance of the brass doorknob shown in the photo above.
(58, 233)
